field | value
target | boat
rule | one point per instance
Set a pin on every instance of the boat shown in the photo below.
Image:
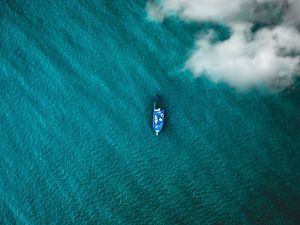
(158, 117)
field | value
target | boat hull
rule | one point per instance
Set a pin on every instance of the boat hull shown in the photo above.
(158, 120)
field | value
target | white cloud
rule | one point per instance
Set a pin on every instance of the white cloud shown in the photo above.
(269, 57)
(244, 63)
(155, 11)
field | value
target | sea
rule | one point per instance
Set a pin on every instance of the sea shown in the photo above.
(77, 81)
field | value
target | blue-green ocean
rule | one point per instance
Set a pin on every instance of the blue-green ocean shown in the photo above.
(77, 80)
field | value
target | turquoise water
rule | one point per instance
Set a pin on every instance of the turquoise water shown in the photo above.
(76, 145)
